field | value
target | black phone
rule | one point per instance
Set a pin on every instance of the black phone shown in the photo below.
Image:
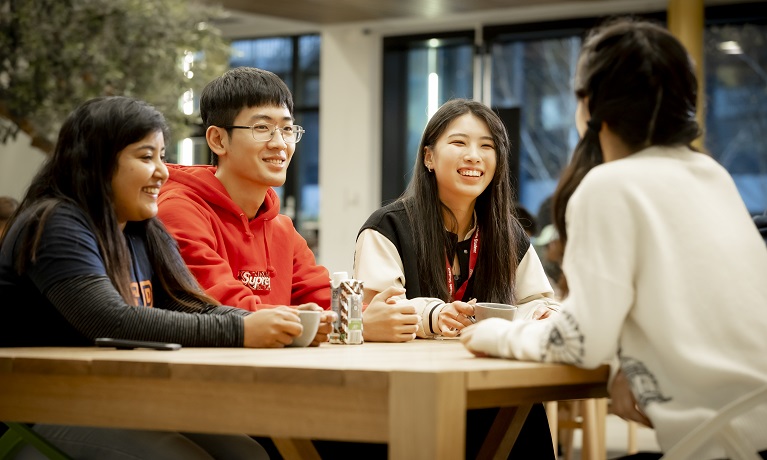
(124, 344)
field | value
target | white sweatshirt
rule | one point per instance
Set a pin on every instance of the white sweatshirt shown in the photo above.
(666, 269)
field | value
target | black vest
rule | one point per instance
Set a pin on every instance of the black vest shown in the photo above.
(392, 222)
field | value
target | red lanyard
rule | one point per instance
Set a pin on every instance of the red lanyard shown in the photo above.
(472, 262)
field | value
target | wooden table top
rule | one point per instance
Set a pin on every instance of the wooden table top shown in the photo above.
(367, 362)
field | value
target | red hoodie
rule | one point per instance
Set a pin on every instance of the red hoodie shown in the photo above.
(253, 264)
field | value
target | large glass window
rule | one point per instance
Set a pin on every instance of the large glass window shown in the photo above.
(535, 78)
(736, 106)
(531, 69)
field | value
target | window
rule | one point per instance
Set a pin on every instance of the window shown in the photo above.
(736, 99)
(534, 77)
(531, 69)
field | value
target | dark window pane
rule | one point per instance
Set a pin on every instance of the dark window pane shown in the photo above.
(736, 106)
(309, 70)
(536, 77)
(272, 54)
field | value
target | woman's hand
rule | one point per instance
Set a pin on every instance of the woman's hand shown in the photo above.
(454, 317)
(466, 336)
(326, 323)
(384, 320)
(622, 401)
(272, 328)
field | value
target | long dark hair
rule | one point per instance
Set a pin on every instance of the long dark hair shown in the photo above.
(80, 173)
(495, 272)
(639, 80)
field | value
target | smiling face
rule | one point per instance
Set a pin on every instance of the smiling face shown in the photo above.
(137, 180)
(463, 161)
(252, 164)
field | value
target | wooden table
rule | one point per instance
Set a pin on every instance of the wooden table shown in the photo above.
(412, 395)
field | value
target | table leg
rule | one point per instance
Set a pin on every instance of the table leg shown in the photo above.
(504, 431)
(296, 449)
(427, 415)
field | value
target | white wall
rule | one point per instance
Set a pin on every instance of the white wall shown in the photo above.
(18, 164)
(350, 145)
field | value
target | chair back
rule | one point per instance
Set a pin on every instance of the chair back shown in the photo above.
(720, 429)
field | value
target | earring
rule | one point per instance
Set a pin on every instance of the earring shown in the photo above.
(429, 168)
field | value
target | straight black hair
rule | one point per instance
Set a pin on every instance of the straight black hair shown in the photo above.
(495, 273)
(640, 81)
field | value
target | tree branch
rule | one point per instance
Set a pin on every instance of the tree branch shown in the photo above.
(25, 125)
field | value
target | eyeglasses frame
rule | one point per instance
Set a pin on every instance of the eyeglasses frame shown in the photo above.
(300, 131)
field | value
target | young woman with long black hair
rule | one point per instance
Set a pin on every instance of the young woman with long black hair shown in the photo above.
(665, 268)
(85, 257)
(450, 238)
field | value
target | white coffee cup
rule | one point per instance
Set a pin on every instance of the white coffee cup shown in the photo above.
(484, 310)
(310, 320)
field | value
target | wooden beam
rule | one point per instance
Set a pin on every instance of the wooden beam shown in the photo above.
(686, 21)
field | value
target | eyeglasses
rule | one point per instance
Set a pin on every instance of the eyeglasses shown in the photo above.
(264, 132)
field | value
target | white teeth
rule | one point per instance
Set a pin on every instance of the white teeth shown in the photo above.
(151, 190)
(469, 172)
(275, 161)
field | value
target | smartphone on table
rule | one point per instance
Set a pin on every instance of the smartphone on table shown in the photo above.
(124, 344)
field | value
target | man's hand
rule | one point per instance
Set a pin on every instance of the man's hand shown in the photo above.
(272, 328)
(386, 321)
(623, 403)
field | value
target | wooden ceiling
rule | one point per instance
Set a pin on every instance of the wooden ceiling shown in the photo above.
(328, 12)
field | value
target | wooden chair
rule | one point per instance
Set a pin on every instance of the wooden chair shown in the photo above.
(720, 429)
(590, 417)
(18, 435)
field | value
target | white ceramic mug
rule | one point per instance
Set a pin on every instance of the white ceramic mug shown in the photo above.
(484, 310)
(310, 320)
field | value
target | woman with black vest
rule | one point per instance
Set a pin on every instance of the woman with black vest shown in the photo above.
(453, 237)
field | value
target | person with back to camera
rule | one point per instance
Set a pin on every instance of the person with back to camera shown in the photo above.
(664, 265)
(226, 217)
(85, 257)
(452, 237)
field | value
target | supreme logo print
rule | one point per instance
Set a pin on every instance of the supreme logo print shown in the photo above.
(256, 280)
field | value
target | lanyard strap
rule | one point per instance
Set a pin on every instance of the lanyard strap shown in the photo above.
(472, 262)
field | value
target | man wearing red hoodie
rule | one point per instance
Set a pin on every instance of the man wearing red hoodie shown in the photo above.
(226, 217)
